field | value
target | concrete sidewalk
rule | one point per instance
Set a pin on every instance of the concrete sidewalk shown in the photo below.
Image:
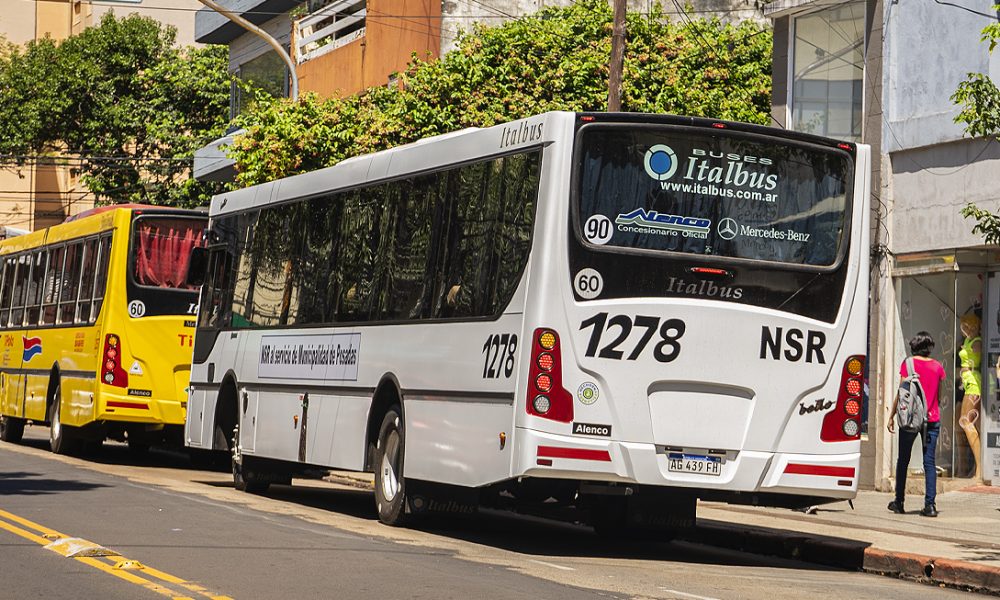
(960, 548)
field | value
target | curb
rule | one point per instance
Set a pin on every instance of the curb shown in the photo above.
(850, 555)
(828, 551)
(939, 571)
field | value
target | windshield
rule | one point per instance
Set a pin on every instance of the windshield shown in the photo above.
(162, 248)
(712, 193)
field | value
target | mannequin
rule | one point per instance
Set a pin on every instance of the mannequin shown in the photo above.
(970, 356)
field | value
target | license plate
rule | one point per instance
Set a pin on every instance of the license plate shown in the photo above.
(694, 463)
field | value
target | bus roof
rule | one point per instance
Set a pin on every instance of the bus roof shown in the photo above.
(465, 145)
(86, 223)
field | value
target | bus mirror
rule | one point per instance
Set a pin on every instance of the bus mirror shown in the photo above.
(197, 267)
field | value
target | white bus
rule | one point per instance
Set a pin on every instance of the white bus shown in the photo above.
(616, 313)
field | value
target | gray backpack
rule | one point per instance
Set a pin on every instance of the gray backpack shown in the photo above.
(911, 410)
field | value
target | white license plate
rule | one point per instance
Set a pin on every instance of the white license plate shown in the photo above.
(694, 463)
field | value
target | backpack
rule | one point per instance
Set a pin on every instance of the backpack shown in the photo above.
(911, 410)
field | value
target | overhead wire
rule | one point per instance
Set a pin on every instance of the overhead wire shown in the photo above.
(706, 47)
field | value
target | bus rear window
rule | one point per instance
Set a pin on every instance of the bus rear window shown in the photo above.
(161, 250)
(712, 193)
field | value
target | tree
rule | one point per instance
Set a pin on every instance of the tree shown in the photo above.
(124, 101)
(556, 59)
(979, 99)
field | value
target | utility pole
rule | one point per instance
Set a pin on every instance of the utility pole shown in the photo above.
(617, 57)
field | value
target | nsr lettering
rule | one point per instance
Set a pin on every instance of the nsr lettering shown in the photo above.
(788, 345)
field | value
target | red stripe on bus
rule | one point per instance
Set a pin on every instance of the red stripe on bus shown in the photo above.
(577, 453)
(824, 470)
(117, 404)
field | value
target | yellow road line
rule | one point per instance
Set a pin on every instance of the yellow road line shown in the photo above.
(23, 533)
(40, 528)
(131, 578)
(106, 567)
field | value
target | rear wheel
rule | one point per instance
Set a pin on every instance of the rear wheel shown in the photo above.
(61, 439)
(245, 478)
(390, 485)
(11, 429)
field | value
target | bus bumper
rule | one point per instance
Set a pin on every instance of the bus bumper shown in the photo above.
(135, 409)
(546, 455)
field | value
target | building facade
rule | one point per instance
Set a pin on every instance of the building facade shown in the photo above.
(46, 191)
(342, 47)
(883, 73)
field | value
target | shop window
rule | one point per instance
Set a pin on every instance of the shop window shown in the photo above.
(936, 303)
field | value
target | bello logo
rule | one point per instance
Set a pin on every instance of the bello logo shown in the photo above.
(32, 346)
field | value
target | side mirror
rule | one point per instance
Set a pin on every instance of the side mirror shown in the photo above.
(197, 267)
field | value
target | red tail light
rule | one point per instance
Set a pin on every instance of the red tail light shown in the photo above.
(843, 423)
(546, 397)
(111, 367)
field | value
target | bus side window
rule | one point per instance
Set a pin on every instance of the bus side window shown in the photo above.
(20, 287)
(53, 276)
(489, 234)
(7, 291)
(101, 275)
(87, 281)
(39, 258)
(69, 290)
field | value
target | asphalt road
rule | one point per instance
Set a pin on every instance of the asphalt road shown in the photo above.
(157, 528)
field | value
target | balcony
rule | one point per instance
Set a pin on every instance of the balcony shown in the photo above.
(328, 28)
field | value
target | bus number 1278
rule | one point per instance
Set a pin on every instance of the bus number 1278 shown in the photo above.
(498, 354)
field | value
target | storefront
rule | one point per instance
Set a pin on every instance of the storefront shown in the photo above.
(937, 292)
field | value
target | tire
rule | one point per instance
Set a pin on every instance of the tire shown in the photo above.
(245, 477)
(61, 440)
(246, 480)
(608, 518)
(138, 447)
(390, 484)
(11, 429)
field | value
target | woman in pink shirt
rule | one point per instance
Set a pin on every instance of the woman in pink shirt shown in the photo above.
(931, 374)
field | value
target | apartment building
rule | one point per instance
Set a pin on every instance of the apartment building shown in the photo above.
(341, 47)
(44, 192)
(882, 73)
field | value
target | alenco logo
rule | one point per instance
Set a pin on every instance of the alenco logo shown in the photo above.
(592, 429)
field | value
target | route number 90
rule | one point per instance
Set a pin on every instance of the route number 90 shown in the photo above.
(598, 230)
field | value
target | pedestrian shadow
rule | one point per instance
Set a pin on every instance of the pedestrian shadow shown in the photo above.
(24, 483)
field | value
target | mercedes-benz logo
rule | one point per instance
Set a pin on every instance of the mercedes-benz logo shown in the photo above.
(728, 228)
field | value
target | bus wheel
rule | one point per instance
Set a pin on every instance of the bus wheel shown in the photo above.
(390, 486)
(11, 429)
(247, 480)
(60, 440)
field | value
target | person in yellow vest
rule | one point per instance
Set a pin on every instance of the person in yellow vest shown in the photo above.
(970, 356)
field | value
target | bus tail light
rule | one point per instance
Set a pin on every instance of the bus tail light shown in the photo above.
(843, 423)
(546, 396)
(112, 372)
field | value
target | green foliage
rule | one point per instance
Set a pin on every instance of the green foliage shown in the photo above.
(120, 96)
(979, 99)
(978, 95)
(987, 223)
(556, 59)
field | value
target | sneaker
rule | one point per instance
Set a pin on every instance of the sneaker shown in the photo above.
(896, 507)
(929, 511)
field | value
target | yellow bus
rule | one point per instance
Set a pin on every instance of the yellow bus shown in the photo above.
(97, 324)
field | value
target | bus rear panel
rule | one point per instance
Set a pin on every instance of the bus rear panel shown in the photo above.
(707, 330)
